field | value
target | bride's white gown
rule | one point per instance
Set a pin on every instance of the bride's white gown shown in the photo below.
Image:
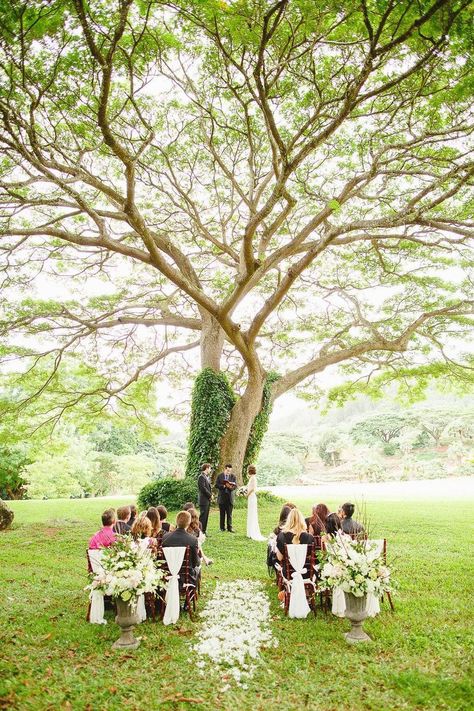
(253, 528)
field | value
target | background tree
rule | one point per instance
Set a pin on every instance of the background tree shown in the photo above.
(383, 428)
(241, 177)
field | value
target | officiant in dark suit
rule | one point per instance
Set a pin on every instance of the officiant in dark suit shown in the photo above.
(226, 484)
(204, 493)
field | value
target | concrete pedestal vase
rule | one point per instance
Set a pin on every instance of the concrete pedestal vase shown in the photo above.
(356, 612)
(127, 617)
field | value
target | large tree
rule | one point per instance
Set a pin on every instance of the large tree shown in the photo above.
(286, 186)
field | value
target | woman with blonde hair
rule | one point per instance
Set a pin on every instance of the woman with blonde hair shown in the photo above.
(293, 532)
(141, 531)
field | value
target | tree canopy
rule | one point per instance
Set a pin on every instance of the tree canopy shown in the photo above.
(285, 185)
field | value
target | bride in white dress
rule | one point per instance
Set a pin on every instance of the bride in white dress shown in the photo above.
(253, 528)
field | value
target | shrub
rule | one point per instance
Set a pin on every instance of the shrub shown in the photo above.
(265, 498)
(172, 493)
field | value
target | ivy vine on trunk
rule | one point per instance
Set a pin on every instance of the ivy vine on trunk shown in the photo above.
(212, 402)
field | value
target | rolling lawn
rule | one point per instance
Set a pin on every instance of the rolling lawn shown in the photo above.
(50, 658)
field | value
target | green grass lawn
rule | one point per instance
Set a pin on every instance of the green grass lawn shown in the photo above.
(50, 658)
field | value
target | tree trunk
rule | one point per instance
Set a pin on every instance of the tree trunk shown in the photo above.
(234, 442)
(212, 342)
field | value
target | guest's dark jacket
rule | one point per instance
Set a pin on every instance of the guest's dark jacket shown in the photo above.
(180, 537)
(165, 525)
(204, 488)
(287, 538)
(352, 527)
(225, 494)
(122, 528)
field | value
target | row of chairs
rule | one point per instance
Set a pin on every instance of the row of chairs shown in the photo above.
(176, 564)
(290, 569)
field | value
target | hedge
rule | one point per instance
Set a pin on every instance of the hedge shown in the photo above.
(172, 493)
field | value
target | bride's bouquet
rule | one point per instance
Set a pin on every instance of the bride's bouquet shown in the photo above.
(127, 571)
(355, 566)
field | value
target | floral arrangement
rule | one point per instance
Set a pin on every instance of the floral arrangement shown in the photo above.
(356, 566)
(128, 571)
(236, 625)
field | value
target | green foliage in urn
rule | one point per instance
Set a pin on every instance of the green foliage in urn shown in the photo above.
(260, 424)
(172, 493)
(212, 401)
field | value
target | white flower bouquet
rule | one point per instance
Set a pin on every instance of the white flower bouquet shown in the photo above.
(357, 567)
(127, 571)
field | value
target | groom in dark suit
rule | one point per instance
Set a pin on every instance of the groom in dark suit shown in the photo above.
(226, 484)
(205, 493)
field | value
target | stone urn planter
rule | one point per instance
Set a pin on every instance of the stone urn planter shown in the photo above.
(356, 612)
(127, 617)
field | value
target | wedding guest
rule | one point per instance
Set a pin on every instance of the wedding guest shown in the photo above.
(165, 525)
(122, 526)
(106, 536)
(294, 531)
(188, 505)
(290, 505)
(141, 531)
(180, 537)
(333, 524)
(282, 520)
(194, 529)
(317, 521)
(348, 524)
(133, 514)
(272, 539)
(154, 517)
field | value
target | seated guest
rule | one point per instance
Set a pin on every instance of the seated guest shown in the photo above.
(154, 517)
(272, 539)
(348, 524)
(180, 537)
(188, 505)
(122, 526)
(165, 525)
(106, 536)
(141, 531)
(133, 514)
(195, 529)
(333, 525)
(317, 521)
(282, 520)
(294, 531)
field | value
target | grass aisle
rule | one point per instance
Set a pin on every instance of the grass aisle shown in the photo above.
(51, 659)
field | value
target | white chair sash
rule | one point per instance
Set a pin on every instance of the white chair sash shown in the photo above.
(141, 609)
(96, 615)
(174, 558)
(298, 603)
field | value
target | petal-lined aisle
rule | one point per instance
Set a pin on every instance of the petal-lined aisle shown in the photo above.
(235, 627)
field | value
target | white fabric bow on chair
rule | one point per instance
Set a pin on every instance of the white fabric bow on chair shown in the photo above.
(174, 558)
(298, 603)
(96, 615)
